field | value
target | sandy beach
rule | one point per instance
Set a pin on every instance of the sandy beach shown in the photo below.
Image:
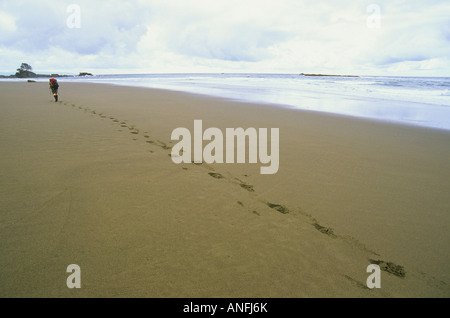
(89, 180)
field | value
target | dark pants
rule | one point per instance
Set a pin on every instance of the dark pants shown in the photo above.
(55, 92)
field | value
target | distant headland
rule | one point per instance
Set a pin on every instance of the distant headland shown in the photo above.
(305, 74)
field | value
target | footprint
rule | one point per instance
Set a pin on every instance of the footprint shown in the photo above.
(325, 230)
(278, 207)
(163, 145)
(390, 267)
(247, 187)
(215, 175)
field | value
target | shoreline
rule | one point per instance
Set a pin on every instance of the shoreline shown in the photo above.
(360, 100)
(89, 180)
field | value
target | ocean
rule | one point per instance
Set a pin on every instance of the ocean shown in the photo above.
(421, 101)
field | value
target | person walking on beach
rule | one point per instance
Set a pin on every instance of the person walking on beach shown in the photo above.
(53, 86)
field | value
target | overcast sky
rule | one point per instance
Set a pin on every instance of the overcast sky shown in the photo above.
(395, 37)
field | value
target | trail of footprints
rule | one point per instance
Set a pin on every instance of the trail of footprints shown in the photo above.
(388, 267)
(122, 124)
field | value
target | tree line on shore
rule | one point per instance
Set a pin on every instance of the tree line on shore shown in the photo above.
(26, 71)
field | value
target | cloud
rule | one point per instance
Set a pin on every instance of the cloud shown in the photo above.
(226, 42)
(7, 22)
(426, 38)
(244, 36)
(217, 30)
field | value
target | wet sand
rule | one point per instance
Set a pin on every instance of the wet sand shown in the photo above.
(89, 180)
